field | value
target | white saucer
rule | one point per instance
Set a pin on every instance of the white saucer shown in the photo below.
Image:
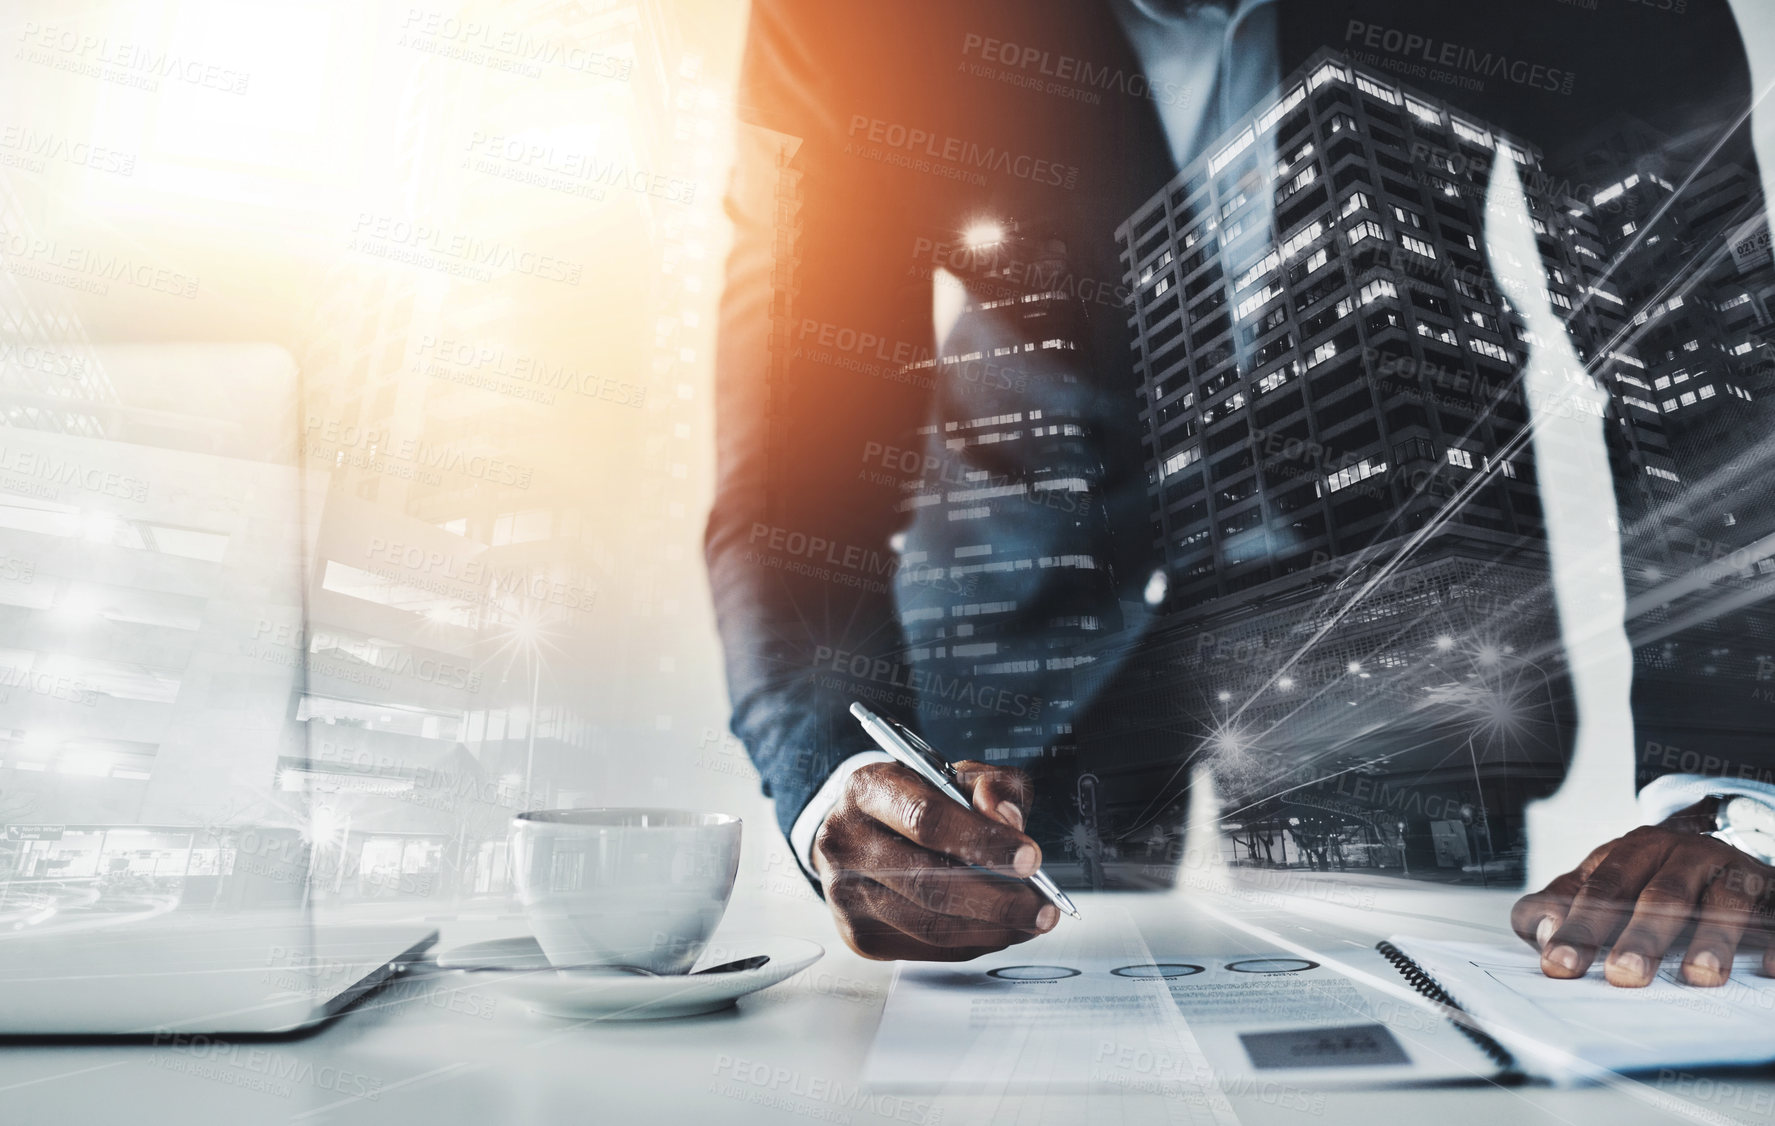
(516, 966)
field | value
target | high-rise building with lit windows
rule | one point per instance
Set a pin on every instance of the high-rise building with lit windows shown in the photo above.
(1314, 392)
(1682, 221)
(1001, 577)
(1684, 226)
(1342, 488)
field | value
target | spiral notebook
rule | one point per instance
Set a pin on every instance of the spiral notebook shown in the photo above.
(1582, 1029)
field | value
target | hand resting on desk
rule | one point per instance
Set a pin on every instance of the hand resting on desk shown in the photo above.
(900, 863)
(1641, 892)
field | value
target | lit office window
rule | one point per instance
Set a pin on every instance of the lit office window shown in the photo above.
(1377, 289)
(1274, 114)
(1230, 152)
(1306, 176)
(1366, 229)
(1487, 348)
(1329, 72)
(1257, 301)
(1348, 476)
(1300, 241)
(1289, 161)
(1369, 86)
(1417, 246)
(1180, 461)
(1322, 353)
(1423, 111)
(1470, 133)
(1255, 273)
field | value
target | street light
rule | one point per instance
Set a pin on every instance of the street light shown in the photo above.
(985, 233)
(526, 634)
(324, 823)
(527, 631)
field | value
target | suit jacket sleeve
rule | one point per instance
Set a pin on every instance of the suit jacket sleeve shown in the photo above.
(820, 315)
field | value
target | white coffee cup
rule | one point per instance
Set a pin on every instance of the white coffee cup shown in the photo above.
(632, 887)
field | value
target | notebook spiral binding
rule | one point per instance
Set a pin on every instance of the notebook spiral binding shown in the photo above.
(1428, 986)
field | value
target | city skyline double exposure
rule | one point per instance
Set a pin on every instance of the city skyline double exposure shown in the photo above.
(1352, 624)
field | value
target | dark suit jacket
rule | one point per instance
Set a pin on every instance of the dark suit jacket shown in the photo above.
(847, 108)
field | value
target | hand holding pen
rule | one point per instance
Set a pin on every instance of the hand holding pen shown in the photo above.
(901, 865)
(908, 749)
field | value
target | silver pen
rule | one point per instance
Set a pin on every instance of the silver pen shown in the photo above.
(909, 750)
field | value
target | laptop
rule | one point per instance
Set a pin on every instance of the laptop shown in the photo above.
(236, 978)
(158, 874)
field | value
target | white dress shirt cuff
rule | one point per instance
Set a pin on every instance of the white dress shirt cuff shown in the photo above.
(1664, 796)
(801, 834)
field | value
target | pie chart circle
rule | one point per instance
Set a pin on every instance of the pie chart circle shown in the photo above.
(1272, 966)
(1032, 973)
(1158, 970)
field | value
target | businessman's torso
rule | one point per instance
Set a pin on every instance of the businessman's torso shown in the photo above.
(1149, 517)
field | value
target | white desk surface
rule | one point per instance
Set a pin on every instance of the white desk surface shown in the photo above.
(446, 1050)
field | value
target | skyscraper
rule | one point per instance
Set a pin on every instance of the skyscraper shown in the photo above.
(1002, 577)
(1341, 484)
(1254, 351)
(1683, 221)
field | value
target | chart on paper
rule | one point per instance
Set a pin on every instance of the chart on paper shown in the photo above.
(1160, 1022)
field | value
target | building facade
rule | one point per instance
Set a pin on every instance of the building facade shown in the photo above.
(1002, 584)
(1342, 484)
(1311, 394)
